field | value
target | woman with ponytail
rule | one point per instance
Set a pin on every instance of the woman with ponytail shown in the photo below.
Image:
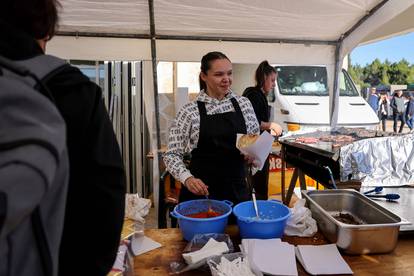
(265, 81)
(207, 127)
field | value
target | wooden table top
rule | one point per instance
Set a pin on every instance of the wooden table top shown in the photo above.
(156, 262)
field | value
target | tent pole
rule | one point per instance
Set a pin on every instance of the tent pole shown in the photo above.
(154, 74)
(333, 120)
(155, 80)
(335, 93)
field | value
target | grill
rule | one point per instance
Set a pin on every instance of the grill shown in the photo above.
(312, 160)
(320, 160)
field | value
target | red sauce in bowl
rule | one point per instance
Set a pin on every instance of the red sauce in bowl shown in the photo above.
(208, 214)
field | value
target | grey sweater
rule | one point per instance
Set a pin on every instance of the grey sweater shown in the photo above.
(397, 105)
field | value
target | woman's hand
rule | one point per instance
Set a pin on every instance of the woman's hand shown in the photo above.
(249, 160)
(275, 129)
(196, 186)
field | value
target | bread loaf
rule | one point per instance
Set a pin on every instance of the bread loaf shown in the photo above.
(246, 140)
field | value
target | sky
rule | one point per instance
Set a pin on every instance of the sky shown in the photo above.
(394, 49)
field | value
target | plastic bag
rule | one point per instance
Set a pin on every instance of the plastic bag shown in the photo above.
(239, 267)
(301, 222)
(124, 262)
(196, 244)
(200, 240)
(136, 207)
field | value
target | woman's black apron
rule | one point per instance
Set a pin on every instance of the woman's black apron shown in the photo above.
(216, 160)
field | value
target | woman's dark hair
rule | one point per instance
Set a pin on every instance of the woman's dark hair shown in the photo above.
(206, 63)
(264, 69)
(37, 18)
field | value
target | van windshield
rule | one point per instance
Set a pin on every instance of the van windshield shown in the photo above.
(302, 80)
(346, 86)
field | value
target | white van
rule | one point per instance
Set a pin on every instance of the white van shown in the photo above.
(301, 100)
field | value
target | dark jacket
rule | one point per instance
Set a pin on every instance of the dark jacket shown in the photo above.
(259, 103)
(96, 194)
(410, 108)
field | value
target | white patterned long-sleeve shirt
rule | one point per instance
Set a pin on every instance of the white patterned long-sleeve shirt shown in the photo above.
(185, 129)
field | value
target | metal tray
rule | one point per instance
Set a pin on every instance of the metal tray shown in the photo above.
(377, 233)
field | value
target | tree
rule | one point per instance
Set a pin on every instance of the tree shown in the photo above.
(356, 73)
(385, 79)
(385, 73)
(410, 78)
(373, 72)
(399, 72)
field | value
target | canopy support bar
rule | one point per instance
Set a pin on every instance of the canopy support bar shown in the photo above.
(198, 38)
(243, 39)
(107, 35)
(363, 19)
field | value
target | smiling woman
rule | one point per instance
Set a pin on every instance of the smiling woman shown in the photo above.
(207, 127)
(219, 79)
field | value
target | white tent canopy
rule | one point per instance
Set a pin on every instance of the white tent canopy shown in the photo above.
(311, 32)
(282, 31)
(263, 21)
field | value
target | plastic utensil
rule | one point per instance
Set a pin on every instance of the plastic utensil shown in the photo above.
(386, 196)
(376, 190)
(255, 203)
(209, 210)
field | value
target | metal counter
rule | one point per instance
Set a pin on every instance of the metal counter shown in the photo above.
(403, 207)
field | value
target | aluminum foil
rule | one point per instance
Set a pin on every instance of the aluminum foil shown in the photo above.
(383, 161)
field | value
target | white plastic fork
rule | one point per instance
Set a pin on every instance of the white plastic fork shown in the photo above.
(255, 203)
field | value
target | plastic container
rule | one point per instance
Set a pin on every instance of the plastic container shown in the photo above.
(377, 233)
(271, 223)
(191, 226)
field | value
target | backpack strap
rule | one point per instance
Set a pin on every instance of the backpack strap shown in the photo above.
(42, 244)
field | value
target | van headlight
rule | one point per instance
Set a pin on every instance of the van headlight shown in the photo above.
(293, 127)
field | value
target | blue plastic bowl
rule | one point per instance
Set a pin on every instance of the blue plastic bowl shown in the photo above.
(192, 226)
(271, 224)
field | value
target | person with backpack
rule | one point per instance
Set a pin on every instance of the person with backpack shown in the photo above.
(96, 192)
(265, 81)
(34, 172)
